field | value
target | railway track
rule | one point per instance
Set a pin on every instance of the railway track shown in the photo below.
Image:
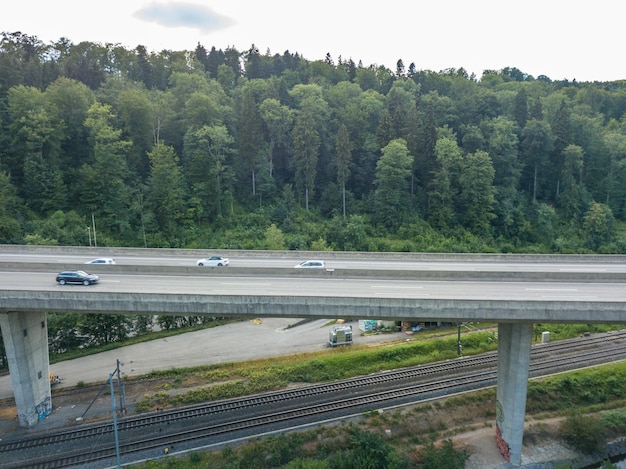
(212, 423)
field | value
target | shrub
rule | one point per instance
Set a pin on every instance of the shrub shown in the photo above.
(445, 456)
(615, 421)
(585, 433)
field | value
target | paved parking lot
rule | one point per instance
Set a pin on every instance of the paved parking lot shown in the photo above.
(236, 342)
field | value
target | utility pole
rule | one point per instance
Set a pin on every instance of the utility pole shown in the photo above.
(120, 390)
(117, 440)
(122, 410)
(93, 222)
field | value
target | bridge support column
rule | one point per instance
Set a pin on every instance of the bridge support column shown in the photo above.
(514, 344)
(25, 336)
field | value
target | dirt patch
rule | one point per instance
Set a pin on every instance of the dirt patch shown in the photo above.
(541, 444)
(77, 405)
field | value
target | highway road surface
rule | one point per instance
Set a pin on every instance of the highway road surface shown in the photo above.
(323, 286)
(375, 261)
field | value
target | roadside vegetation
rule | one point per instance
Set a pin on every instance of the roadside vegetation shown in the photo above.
(422, 436)
(347, 447)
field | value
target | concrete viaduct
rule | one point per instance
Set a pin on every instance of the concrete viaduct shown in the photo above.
(24, 330)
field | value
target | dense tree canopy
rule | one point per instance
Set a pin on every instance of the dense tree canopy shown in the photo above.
(230, 149)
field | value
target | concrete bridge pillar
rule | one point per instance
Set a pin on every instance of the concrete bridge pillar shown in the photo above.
(25, 336)
(514, 344)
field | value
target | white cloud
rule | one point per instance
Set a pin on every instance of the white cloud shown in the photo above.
(183, 15)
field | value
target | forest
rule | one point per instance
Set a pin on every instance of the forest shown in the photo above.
(228, 149)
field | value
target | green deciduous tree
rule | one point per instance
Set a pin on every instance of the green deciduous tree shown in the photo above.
(63, 228)
(615, 181)
(43, 183)
(348, 234)
(306, 143)
(105, 190)
(503, 148)
(207, 167)
(476, 198)
(23, 61)
(10, 230)
(309, 133)
(393, 171)
(278, 120)
(85, 63)
(105, 328)
(561, 130)
(274, 238)
(68, 102)
(444, 186)
(63, 332)
(250, 129)
(520, 108)
(573, 198)
(546, 224)
(343, 151)
(201, 110)
(166, 191)
(183, 87)
(135, 114)
(36, 157)
(598, 225)
(537, 142)
(502, 144)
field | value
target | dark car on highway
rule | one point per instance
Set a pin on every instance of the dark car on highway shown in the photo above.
(76, 276)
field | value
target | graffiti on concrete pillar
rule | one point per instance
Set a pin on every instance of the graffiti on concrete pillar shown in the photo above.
(499, 413)
(503, 446)
(44, 408)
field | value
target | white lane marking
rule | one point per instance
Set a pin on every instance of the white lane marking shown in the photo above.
(408, 287)
(406, 295)
(551, 289)
(237, 284)
(582, 270)
(578, 298)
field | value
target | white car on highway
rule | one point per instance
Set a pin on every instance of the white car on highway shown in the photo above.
(101, 260)
(311, 265)
(213, 261)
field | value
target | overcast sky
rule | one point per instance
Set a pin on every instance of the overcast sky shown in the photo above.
(557, 38)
